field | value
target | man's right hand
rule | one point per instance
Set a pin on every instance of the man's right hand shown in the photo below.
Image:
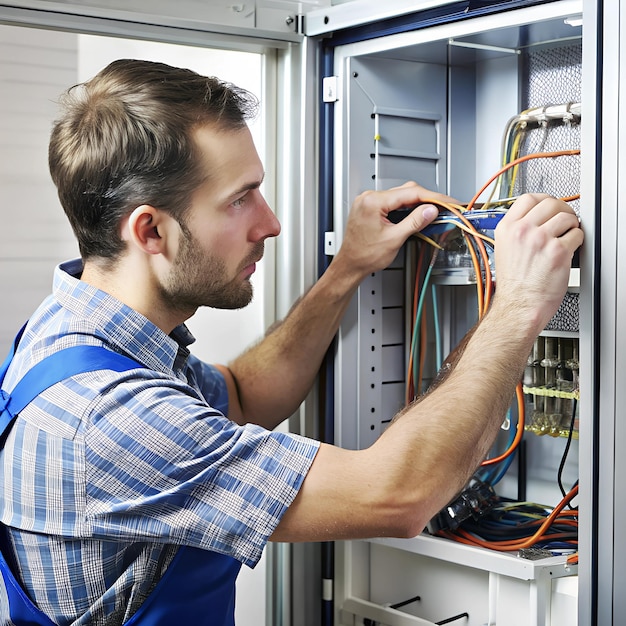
(535, 242)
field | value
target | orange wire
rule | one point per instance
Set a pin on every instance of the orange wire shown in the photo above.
(527, 157)
(517, 544)
(469, 539)
(410, 388)
(521, 419)
(480, 292)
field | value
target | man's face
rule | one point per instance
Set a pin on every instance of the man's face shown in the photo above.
(223, 233)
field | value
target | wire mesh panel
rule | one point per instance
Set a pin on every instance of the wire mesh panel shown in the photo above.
(553, 91)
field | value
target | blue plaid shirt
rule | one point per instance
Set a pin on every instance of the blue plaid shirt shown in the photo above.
(105, 474)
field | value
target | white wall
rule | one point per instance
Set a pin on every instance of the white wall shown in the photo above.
(35, 67)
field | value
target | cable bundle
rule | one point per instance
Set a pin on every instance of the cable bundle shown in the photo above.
(513, 526)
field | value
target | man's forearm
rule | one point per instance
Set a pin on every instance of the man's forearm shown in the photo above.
(447, 432)
(275, 376)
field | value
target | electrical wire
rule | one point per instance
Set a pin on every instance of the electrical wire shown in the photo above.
(416, 317)
(548, 529)
(567, 447)
(438, 346)
(423, 340)
(480, 289)
(514, 163)
(519, 431)
(511, 142)
(410, 388)
(493, 473)
(415, 375)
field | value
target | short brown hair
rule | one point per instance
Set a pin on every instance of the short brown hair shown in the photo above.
(125, 139)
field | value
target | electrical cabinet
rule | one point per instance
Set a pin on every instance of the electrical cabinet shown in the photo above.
(448, 102)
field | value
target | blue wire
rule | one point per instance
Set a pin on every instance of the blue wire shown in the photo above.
(418, 318)
(438, 346)
(493, 475)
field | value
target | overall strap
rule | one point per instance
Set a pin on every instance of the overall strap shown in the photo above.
(53, 369)
(5, 366)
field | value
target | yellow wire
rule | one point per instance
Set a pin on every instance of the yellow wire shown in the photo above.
(432, 242)
(514, 155)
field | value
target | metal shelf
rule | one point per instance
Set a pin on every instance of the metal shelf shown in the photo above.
(504, 563)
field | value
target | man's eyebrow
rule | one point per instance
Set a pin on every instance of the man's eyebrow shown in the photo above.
(247, 187)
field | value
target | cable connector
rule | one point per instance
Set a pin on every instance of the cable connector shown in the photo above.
(473, 502)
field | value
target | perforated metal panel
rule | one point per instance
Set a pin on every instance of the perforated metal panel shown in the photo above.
(554, 76)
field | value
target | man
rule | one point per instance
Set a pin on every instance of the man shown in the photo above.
(133, 497)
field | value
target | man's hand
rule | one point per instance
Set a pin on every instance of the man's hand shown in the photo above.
(535, 243)
(371, 240)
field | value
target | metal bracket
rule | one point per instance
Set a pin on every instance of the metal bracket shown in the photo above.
(329, 89)
(329, 243)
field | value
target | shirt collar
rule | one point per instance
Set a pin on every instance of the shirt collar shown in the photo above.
(117, 324)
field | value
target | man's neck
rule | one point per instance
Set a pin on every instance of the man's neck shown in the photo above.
(136, 288)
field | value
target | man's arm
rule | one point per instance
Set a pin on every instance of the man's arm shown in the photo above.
(427, 455)
(269, 381)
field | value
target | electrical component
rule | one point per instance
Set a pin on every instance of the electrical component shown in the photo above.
(535, 554)
(474, 502)
(551, 386)
(483, 221)
(447, 220)
(567, 113)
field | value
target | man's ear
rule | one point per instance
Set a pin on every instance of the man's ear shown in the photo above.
(147, 228)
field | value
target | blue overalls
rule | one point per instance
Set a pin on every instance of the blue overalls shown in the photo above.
(197, 588)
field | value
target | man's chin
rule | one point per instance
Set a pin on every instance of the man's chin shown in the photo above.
(232, 302)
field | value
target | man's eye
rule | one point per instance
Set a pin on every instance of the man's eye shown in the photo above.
(239, 201)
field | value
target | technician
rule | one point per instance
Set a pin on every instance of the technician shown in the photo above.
(134, 497)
